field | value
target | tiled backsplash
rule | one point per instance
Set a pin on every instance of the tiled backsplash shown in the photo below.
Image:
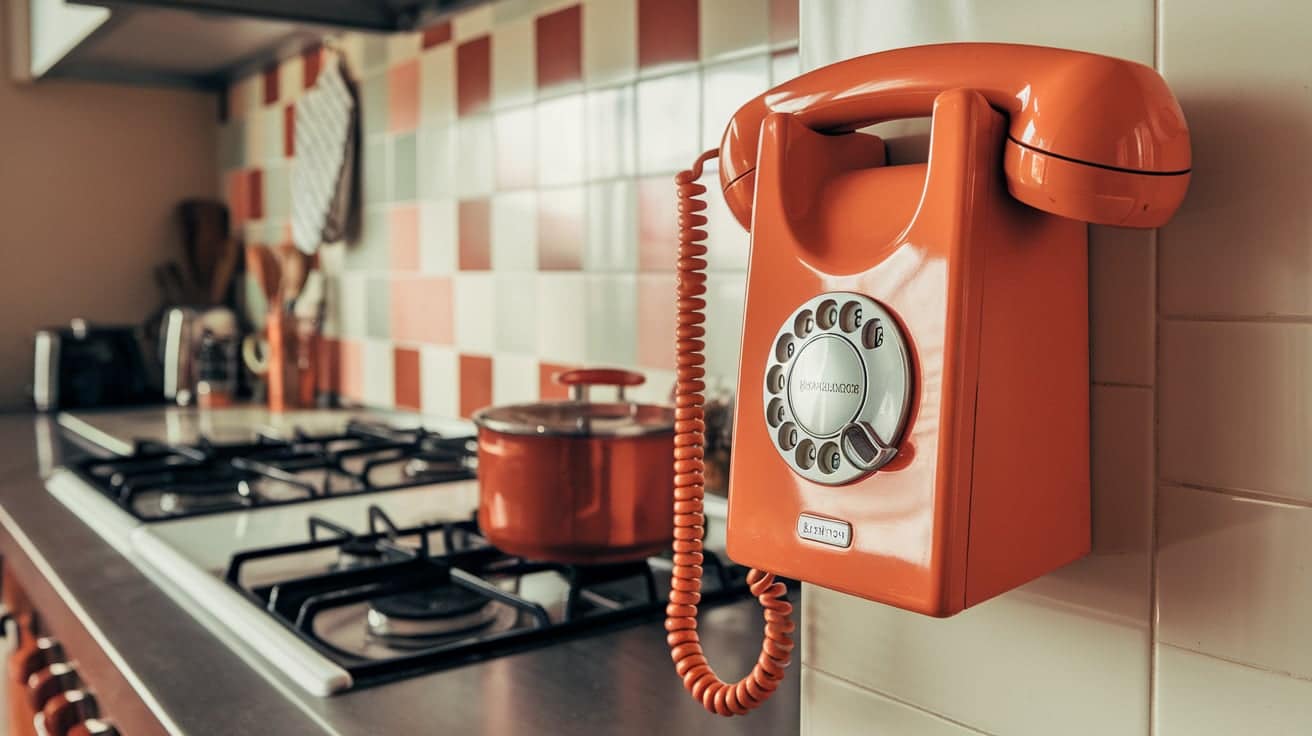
(1190, 616)
(518, 203)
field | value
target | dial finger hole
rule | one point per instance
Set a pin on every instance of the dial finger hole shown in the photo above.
(826, 315)
(872, 335)
(788, 436)
(784, 349)
(849, 318)
(806, 454)
(830, 458)
(804, 324)
(774, 413)
(775, 378)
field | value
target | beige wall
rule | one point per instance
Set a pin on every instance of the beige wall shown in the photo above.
(89, 176)
(1190, 616)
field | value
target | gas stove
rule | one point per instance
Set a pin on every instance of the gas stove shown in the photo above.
(348, 557)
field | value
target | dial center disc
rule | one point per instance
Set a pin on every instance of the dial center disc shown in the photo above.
(826, 385)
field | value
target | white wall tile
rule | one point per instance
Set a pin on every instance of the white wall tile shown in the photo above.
(611, 230)
(725, 295)
(1236, 405)
(784, 66)
(514, 231)
(669, 122)
(435, 170)
(437, 85)
(1202, 696)
(610, 41)
(1122, 305)
(438, 236)
(725, 88)
(352, 305)
(379, 374)
(731, 27)
(514, 378)
(992, 667)
(611, 128)
(514, 63)
(1239, 244)
(475, 304)
(439, 380)
(474, 156)
(516, 313)
(563, 319)
(560, 131)
(612, 311)
(833, 707)
(472, 23)
(1232, 578)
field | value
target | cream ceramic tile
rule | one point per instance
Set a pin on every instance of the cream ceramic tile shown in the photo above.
(291, 73)
(725, 294)
(560, 141)
(376, 179)
(514, 378)
(612, 313)
(274, 145)
(514, 232)
(373, 52)
(1202, 696)
(784, 66)
(437, 162)
(438, 236)
(437, 85)
(725, 88)
(256, 136)
(728, 244)
(514, 63)
(516, 313)
(1239, 244)
(402, 46)
(1235, 407)
(379, 375)
(669, 122)
(563, 318)
(472, 23)
(832, 30)
(611, 229)
(730, 27)
(1122, 305)
(610, 41)
(474, 156)
(476, 305)
(373, 104)
(1232, 578)
(833, 707)
(992, 667)
(352, 305)
(611, 127)
(245, 97)
(439, 380)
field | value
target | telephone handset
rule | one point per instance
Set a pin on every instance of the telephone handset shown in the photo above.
(912, 415)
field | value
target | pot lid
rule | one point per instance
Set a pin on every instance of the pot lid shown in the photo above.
(577, 419)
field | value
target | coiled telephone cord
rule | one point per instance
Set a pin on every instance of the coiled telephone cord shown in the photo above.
(716, 695)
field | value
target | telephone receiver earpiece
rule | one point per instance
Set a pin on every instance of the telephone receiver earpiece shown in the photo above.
(1091, 138)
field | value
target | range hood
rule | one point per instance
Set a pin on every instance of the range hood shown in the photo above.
(206, 43)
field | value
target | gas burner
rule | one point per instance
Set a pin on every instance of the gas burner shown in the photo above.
(161, 481)
(415, 620)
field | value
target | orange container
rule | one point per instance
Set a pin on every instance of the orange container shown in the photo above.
(576, 481)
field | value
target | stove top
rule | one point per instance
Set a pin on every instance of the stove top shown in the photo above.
(159, 481)
(392, 601)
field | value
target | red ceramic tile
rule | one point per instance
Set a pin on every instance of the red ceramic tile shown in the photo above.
(403, 96)
(475, 383)
(656, 321)
(311, 62)
(548, 389)
(783, 21)
(270, 84)
(422, 310)
(516, 148)
(238, 201)
(473, 75)
(667, 32)
(403, 230)
(255, 194)
(560, 230)
(474, 218)
(329, 366)
(351, 359)
(289, 131)
(405, 378)
(560, 47)
(436, 33)
(658, 227)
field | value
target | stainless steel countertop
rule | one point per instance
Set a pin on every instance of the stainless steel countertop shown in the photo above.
(618, 682)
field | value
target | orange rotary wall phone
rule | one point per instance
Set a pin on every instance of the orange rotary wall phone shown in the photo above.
(913, 401)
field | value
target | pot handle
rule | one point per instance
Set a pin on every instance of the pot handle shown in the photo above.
(580, 379)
